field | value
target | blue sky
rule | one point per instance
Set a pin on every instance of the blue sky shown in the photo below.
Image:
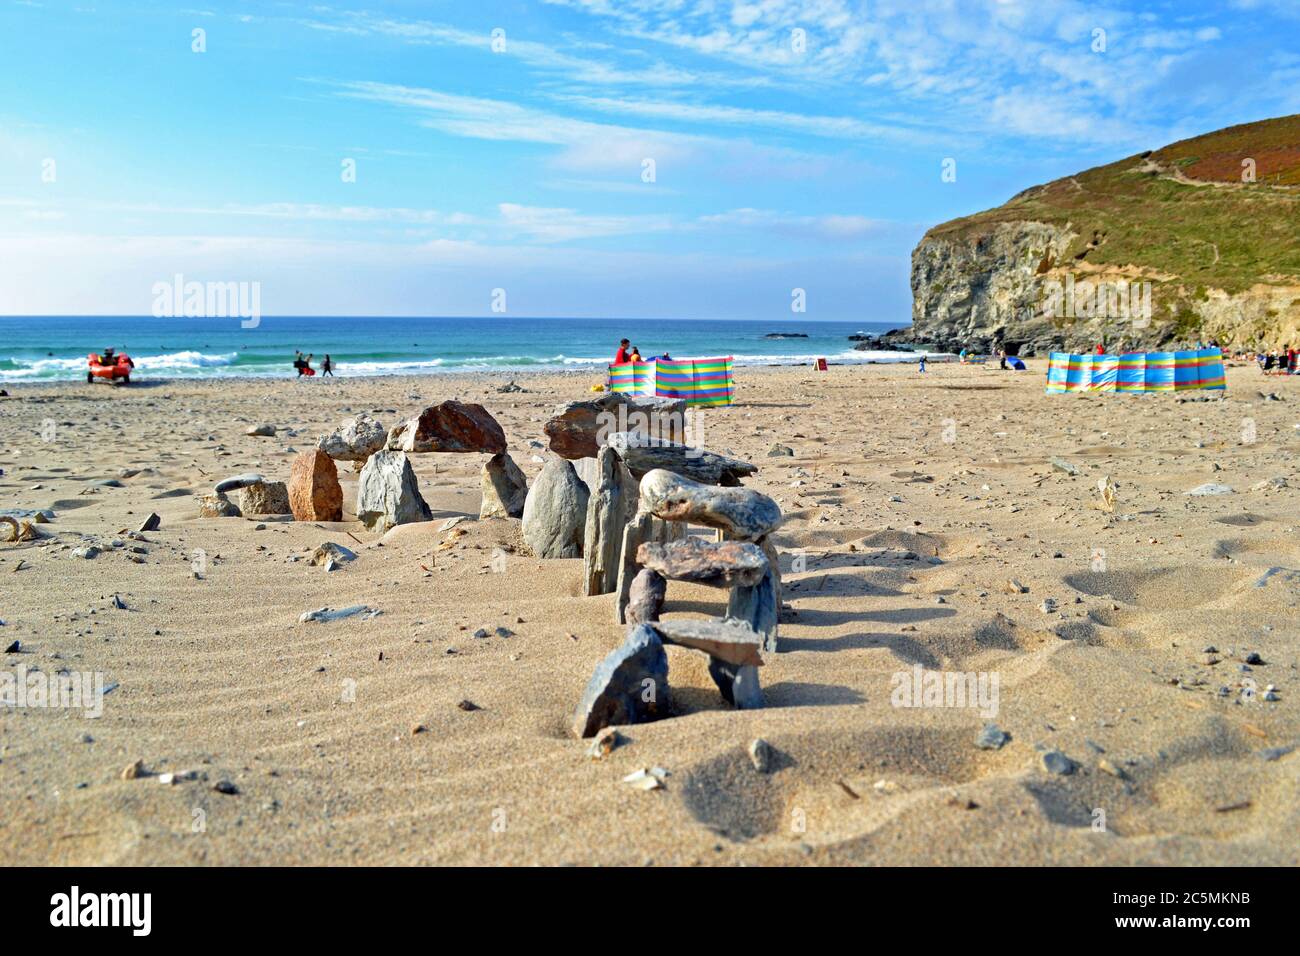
(781, 159)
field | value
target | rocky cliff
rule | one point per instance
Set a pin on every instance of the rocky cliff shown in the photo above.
(1199, 240)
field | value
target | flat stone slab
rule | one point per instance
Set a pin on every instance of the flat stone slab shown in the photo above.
(741, 512)
(724, 639)
(449, 427)
(643, 454)
(724, 564)
(630, 686)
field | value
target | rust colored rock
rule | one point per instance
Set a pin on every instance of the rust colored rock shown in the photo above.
(451, 426)
(314, 490)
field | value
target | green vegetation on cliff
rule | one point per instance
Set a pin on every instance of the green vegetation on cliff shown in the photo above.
(1182, 212)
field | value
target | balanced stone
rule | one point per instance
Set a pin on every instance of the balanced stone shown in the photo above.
(449, 427)
(265, 498)
(643, 454)
(734, 642)
(504, 488)
(741, 512)
(356, 439)
(718, 564)
(630, 686)
(603, 533)
(238, 481)
(388, 493)
(555, 511)
(314, 490)
(646, 598)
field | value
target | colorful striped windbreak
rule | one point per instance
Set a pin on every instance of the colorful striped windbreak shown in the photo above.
(702, 381)
(1136, 372)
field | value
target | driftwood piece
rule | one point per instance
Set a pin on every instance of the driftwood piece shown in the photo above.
(603, 535)
(646, 598)
(644, 454)
(742, 512)
(734, 642)
(725, 565)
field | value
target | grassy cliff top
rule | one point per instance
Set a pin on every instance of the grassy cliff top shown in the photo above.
(1182, 210)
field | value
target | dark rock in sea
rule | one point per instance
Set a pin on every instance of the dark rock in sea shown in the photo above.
(786, 335)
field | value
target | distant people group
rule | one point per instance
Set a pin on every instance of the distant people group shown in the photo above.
(303, 365)
(627, 352)
(1278, 361)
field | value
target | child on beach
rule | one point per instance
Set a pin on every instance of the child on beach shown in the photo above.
(921, 365)
(327, 368)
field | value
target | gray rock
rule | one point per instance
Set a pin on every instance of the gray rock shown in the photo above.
(1210, 488)
(265, 498)
(760, 754)
(741, 512)
(1056, 762)
(504, 488)
(388, 493)
(738, 683)
(151, 523)
(646, 599)
(555, 511)
(262, 431)
(331, 552)
(992, 737)
(236, 482)
(356, 439)
(758, 606)
(780, 451)
(89, 551)
(325, 615)
(630, 686)
(1060, 464)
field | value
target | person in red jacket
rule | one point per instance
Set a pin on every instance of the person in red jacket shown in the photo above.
(621, 355)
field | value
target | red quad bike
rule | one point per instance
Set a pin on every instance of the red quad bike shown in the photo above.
(110, 368)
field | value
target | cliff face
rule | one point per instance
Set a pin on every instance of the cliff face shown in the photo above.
(1138, 254)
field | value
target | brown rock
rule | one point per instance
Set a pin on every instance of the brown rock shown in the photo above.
(314, 490)
(217, 505)
(723, 564)
(580, 429)
(451, 426)
(265, 498)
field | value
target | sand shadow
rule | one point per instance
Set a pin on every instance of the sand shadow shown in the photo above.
(906, 649)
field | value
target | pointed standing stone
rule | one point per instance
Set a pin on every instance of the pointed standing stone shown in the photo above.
(630, 686)
(604, 527)
(314, 490)
(504, 488)
(388, 493)
(555, 511)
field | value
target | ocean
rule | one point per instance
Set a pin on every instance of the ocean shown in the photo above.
(50, 348)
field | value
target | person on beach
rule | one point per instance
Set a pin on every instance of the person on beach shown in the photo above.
(297, 362)
(634, 355)
(621, 355)
(920, 366)
(1002, 359)
(327, 368)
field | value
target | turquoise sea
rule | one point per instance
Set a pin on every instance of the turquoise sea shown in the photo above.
(45, 348)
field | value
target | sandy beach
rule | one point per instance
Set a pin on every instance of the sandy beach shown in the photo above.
(911, 502)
